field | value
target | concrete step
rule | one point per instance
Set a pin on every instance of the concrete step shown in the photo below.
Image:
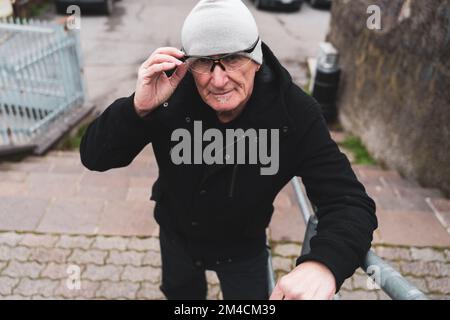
(441, 208)
(411, 228)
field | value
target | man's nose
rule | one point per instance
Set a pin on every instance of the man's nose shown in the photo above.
(219, 77)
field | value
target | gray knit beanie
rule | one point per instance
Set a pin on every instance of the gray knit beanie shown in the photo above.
(219, 27)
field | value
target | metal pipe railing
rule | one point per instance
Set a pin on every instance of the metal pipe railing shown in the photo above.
(390, 280)
(384, 276)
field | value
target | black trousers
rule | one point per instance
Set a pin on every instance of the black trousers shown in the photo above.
(183, 278)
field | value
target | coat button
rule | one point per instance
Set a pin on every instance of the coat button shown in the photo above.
(165, 104)
(202, 192)
(285, 129)
(188, 119)
(194, 223)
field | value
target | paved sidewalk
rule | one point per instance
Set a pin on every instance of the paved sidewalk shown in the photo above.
(35, 266)
(55, 214)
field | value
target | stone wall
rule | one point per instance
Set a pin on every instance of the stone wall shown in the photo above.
(395, 87)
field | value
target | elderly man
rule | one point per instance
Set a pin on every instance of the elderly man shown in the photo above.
(213, 215)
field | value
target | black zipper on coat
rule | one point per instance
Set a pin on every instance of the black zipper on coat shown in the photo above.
(233, 181)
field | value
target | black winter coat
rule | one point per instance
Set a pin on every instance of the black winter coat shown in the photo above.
(222, 210)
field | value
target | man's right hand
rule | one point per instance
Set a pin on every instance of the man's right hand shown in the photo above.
(153, 87)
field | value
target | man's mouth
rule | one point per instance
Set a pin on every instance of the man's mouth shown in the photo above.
(222, 97)
(221, 93)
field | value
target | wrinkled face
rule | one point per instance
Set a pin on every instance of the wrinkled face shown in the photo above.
(227, 92)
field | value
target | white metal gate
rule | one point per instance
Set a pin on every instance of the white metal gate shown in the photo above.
(40, 78)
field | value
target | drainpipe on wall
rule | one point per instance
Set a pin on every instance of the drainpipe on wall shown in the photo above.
(326, 80)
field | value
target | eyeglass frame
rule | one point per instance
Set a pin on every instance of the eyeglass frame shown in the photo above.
(217, 61)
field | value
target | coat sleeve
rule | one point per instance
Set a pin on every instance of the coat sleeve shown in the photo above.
(345, 213)
(115, 137)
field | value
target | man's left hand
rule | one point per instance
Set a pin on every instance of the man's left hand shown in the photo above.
(310, 280)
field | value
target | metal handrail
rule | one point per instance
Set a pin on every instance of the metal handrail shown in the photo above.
(385, 276)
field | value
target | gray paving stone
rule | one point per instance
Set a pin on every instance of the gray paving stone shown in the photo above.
(439, 296)
(39, 297)
(427, 254)
(423, 268)
(358, 295)
(7, 284)
(391, 253)
(144, 244)
(419, 283)
(15, 297)
(360, 282)
(44, 255)
(72, 242)
(97, 273)
(137, 274)
(87, 290)
(115, 290)
(288, 250)
(347, 285)
(28, 287)
(150, 291)
(439, 285)
(360, 271)
(14, 253)
(382, 295)
(88, 256)
(56, 271)
(283, 264)
(125, 257)
(10, 238)
(109, 243)
(152, 258)
(23, 269)
(39, 240)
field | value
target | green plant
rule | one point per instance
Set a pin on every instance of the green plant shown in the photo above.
(354, 145)
(73, 141)
(38, 7)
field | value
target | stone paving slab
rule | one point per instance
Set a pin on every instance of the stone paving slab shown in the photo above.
(53, 205)
(54, 213)
(417, 228)
(41, 266)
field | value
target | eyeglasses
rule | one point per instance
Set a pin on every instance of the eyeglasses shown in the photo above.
(228, 62)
